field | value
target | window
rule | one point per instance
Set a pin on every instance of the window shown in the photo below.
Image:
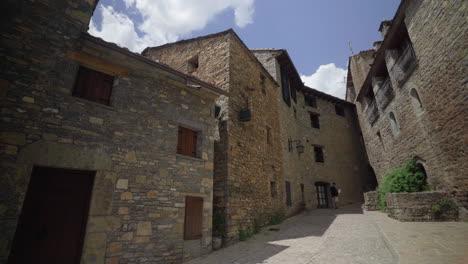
(273, 189)
(302, 193)
(285, 88)
(93, 85)
(394, 124)
(193, 218)
(310, 101)
(262, 83)
(415, 100)
(314, 120)
(288, 194)
(379, 136)
(295, 113)
(268, 135)
(187, 142)
(318, 154)
(217, 111)
(193, 64)
(339, 110)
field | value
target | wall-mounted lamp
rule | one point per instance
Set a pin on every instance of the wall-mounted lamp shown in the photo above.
(299, 146)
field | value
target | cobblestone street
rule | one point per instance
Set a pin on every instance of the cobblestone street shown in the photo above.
(317, 236)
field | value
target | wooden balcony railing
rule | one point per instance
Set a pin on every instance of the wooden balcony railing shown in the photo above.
(385, 94)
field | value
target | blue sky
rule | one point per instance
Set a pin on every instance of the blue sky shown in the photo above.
(316, 33)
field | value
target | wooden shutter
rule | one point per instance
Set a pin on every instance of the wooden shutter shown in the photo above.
(93, 85)
(187, 142)
(193, 217)
(285, 88)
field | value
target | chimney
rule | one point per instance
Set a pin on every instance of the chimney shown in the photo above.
(384, 26)
(377, 45)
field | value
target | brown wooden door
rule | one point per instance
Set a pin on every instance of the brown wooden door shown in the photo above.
(52, 223)
(193, 218)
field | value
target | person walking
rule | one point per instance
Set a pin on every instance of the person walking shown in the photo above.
(334, 193)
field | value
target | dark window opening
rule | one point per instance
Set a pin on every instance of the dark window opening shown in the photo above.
(217, 111)
(380, 140)
(310, 101)
(288, 194)
(314, 120)
(318, 154)
(302, 193)
(193, 218)
(193, 64)
(273, 189)
(285, 88)
(262, 83)
(339, 110)
(187, 142)
(268, 136)
(93, 85)
(295, 113)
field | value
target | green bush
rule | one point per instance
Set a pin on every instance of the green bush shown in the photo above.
(407, 179)
(257, 226)
(219, 224)
(244, 234)
(276, 218)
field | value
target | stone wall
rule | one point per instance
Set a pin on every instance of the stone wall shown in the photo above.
(371, 201)
(138, 199)
(417, 207)
(434, 131)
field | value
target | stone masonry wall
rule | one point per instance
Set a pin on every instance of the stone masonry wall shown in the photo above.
(138, 200)
(436, 132)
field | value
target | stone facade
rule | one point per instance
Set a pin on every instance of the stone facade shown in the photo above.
(138, 199)
(371, 201)
(253, 160)
(418, 207)
(422, 113)
(245, 162)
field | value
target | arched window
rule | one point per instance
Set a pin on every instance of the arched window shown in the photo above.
(415, 100)
(394, 124)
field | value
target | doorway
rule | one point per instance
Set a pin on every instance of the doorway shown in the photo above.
(322, 194)
(52, 223)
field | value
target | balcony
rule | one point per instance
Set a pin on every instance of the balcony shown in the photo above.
(372, 113)
(385, 94)
(407, 58)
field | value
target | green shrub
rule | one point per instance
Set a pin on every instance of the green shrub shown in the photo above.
(219, 224)
(435, 208)
(449, 205)
(407, 179)
(257, 226)
(244, 233)
(276, 218)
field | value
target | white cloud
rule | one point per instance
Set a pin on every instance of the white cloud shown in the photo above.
(165, 21)
(329, 79)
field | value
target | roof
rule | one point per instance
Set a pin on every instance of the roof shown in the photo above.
(152, 63)
(222, 33)
(314, 92)
(380, 53)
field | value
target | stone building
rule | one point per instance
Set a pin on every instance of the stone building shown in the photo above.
(98, 146)
(411, 93)
(258, 170)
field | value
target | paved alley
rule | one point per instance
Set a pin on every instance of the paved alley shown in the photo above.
(343, 236)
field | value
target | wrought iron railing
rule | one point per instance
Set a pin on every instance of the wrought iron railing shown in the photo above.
(372, 113)
(385, 94)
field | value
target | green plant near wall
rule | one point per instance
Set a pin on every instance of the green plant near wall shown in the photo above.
(445, 205)
(410, 178)
(276, 218)
(244, 234)
(257, 226)
(219, 225)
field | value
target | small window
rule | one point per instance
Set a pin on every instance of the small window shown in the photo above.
(339, 110)
(318, 154)
(285, 88)
(93, 85)
(394, 124)
(288, 194)
(416, 101)
(193, 64)
(273, 189)
(268, 135)
(310, 101)
(187, 142)
(193, 218)
(314, 120)
(295, 113)
(262, 83)
(217, 111)
(379, 136)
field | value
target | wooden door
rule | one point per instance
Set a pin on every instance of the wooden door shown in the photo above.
(322, 194)
(53, 220)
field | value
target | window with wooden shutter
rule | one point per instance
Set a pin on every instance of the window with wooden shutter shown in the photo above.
(187, 142)
(93, 85)
(193, 218)
(318, 154)
(314, 119)
(285, 88)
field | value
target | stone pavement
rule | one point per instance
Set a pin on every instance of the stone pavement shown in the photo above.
(343, 236)
(425, 242)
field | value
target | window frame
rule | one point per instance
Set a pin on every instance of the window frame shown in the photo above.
(319, 157)
(89, 85)
(314, 120)
(187, 146)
